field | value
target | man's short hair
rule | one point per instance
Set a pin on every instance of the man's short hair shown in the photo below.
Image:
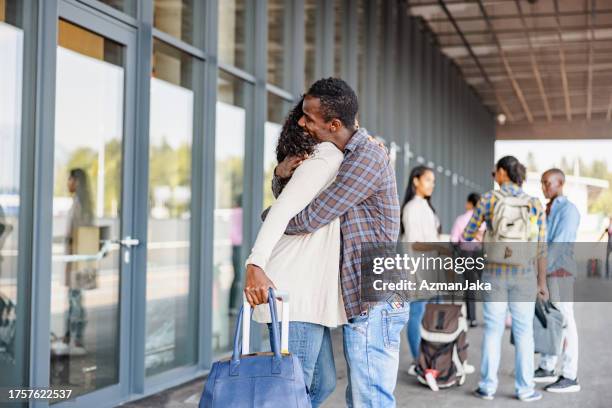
(557, 172)
(338, 100)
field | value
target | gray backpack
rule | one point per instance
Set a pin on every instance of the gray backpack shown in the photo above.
(509, 240)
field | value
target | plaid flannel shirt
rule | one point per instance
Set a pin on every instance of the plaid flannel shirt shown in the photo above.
(364, 196)
(484, 213)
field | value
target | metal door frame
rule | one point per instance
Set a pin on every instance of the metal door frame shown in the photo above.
(77, 13)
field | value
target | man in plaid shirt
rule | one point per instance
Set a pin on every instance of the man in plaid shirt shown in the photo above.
(364, 196)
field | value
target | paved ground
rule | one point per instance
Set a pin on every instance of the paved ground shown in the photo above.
(595, 330)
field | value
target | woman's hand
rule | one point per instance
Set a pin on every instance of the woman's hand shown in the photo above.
(257, 285)
(286, 168)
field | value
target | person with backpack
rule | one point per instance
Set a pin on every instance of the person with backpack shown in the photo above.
(514, 246)
(562, 219)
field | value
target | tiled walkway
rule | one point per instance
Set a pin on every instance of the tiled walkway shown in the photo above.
(595, 329)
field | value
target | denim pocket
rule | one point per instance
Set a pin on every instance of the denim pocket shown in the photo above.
(393, 322)
(359, 325)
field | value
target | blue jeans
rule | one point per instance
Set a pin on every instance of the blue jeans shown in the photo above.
(413, 331)
(503, 290)
(371, 349)
(312, 344)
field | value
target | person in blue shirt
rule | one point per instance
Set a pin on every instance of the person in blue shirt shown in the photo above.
(562, 219)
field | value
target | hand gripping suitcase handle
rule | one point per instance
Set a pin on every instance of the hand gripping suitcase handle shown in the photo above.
(283, 296)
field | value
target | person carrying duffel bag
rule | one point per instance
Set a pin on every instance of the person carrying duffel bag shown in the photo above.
(271, 379)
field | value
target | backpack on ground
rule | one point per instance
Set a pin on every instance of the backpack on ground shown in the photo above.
(443, 349)
(510, 239)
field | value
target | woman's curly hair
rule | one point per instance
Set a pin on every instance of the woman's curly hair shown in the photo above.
(293, 140)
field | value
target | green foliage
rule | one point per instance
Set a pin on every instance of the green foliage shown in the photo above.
(87, 159)
(229, 182)
(599, 169)
(267, 187)
(168, 167)
(603, 203)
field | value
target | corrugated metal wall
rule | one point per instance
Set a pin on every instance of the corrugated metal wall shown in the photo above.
(428, 114)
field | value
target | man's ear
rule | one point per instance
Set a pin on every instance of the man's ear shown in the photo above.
(335, 125)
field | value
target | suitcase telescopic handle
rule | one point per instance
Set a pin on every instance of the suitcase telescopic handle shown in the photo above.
(281, 295)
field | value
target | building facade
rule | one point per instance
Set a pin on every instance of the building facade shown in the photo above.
(137, 145)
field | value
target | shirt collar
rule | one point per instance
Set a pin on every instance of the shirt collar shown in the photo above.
(358, 138)
(559, 200)
(511, 187)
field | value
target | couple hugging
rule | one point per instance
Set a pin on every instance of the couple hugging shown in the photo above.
(335, 188)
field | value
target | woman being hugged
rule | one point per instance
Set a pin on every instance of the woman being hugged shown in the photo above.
(307, 266)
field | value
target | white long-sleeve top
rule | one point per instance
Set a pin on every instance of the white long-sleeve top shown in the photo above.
(420, 222)
(307, 266)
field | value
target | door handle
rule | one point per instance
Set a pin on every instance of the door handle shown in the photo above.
(106, 248)
(129, 242)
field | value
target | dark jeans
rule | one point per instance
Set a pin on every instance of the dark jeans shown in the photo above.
(471, 296)
(608, 252)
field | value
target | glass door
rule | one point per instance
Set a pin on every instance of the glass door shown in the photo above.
(92, 202)
(170, 339)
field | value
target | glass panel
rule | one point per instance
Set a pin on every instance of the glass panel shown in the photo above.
(13, 347)
(176, 17)
(361, 53)
(380, 56)
(277, 42)
(170, 331)
(86, 210)
(232, 109)
(127, 6)
(310, 31)
(338, 46)
(232, 38)
(278, 108)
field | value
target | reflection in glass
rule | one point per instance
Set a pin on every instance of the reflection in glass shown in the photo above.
(86, 209)
(277, 46)
(170, 339)
(176, 17)
(278, 108)
(233, 100)
(232, 34)
(12, 349)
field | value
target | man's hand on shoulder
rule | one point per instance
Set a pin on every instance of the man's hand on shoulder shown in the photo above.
(256, 285)
(380, 144)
